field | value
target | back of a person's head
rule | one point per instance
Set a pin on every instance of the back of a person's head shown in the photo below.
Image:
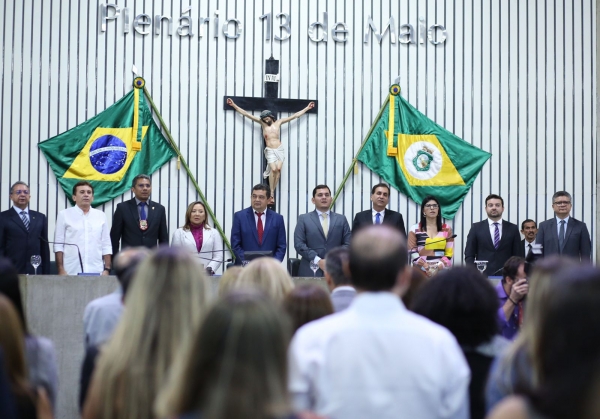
(166, 301)
(267, 275)
(417, 280)
(307, 302)
(126, 263)
(12, 342)
(378, 254)
(9, 287)
(336, 265)
(228, 279)
(569, 344)
(463, 301)
(236, 364)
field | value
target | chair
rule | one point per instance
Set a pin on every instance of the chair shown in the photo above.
(293, 265)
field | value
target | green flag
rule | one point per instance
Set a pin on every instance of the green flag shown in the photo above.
(110, 149)
(420, 158)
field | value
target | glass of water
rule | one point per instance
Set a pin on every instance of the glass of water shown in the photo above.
(315, 267)
(481, 265)
(36, 260)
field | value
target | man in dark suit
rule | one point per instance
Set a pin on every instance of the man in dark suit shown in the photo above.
(494, 240)
(24, 232)
(563, 234)
(139, 221)
(337, 276)
(529, 231)
(257, 228)
(380, 196)
(319, 231)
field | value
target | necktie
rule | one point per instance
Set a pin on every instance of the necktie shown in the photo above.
(325, 224)
(530, 250)
(378, 218)
(259, 225)
(496, 236)
(561, 235)
(142, 210)
(25, 220)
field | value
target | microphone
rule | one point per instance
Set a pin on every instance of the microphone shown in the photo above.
(441, 239)
(70, 244)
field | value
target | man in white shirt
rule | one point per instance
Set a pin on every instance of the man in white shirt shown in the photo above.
(86, 228)
(337, 276)
(376, 359)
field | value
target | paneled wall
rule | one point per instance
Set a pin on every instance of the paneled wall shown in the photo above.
(516, 78)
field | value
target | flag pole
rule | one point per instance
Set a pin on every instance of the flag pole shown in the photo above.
(181, 159)
(364, 142)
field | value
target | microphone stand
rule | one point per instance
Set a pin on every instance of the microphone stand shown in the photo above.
(78, 254)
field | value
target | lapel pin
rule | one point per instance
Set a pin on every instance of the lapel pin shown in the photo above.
(152, 207)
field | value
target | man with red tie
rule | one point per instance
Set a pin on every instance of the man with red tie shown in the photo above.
(257, 228)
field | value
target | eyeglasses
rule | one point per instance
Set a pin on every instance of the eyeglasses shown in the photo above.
(19, 192)
(561, 203)
(432, 206)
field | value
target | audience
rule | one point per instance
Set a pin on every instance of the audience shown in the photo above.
(39, 351)
(166, 301)
(305, 303)
(376, 359)
(7, 403)
(417, 280)
(513, 372)
(12, 342)
(267, 275)
(463, 301)
(101, 315)
(337, 276)
(228, 278)
(566, 356)
(235, 367)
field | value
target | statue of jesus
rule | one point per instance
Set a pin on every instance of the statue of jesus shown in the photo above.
(274, 150)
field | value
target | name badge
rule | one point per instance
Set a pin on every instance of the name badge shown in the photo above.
(143, 225)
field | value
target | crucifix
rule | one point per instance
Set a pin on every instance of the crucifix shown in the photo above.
(270, 106)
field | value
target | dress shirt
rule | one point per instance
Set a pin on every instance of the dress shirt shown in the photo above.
(508, 327)
(378, 360)
(381, 215)
(26, 213)
(493, 228)
(90, 232)
(263, 217)
(139, 209)
(317, 258)
(101, 316)
(558, 220)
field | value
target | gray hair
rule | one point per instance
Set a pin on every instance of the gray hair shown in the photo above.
(335, 260)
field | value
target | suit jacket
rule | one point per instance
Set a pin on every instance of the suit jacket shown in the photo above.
(244, 234)
(18, 244)
(341, 299)
(126, 226)
(211, 252)
(481, 247)
(310, 241)
(577, 239)
(391, 218)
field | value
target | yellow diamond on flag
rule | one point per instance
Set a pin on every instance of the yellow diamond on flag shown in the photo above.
(424, 161)
(106, 156)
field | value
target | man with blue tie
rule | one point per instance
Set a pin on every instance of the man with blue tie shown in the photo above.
(494, 240)
(563, 234)
(257, 228)
(318, 232)
(24, 232)
(139, 221)
(379, 214)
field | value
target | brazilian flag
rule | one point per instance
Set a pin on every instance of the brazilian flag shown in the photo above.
(110, 149)
(420, 158)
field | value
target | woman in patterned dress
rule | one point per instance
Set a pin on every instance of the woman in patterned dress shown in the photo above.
(430, 242)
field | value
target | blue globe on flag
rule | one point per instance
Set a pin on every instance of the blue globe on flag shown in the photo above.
(108, 154)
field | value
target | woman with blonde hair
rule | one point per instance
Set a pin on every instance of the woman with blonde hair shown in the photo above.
(236, 365)
(515, 372)
(198, 238)
(267, 275)
(166, 301)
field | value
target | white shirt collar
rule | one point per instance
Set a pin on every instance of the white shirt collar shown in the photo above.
(566, 220)
(19, 210)
(491, 222)
(343, 288)
(319, 213)
(374, 212)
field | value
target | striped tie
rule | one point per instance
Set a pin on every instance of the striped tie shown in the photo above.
(496, 236)
(25, 219)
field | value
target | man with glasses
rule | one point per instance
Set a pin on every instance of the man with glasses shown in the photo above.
(24, 232)
(563, 234)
